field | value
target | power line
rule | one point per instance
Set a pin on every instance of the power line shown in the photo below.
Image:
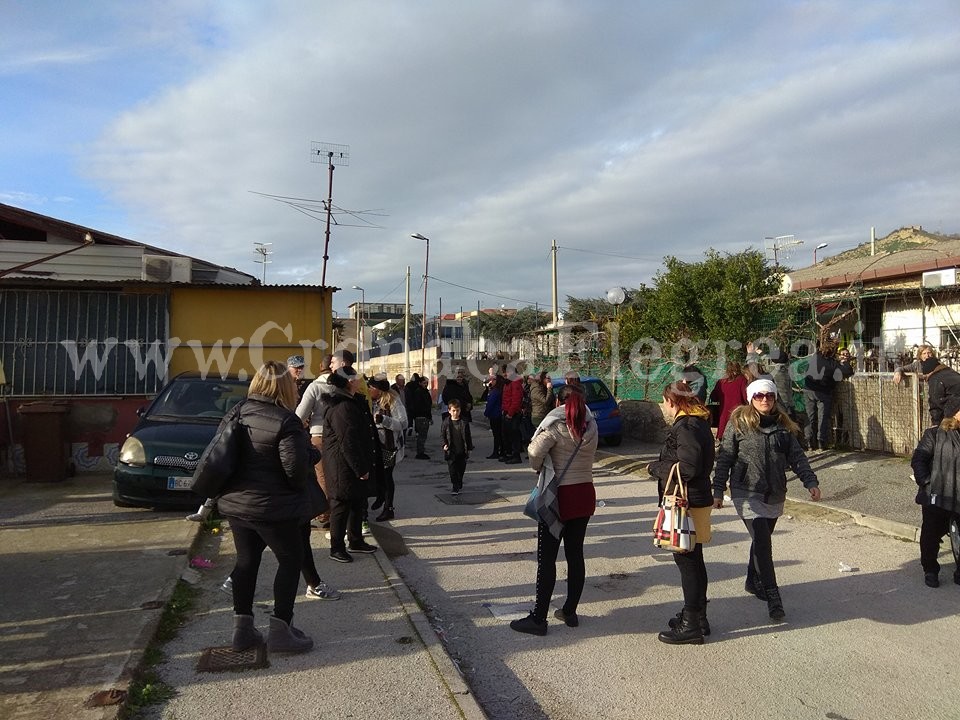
(489, 294)
(599, 252)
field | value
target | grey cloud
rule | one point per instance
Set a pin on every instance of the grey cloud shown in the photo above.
(495, 128)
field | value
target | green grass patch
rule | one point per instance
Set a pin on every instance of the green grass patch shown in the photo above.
(176, 612)
(147, 687)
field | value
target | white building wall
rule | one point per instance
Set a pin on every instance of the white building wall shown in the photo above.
(905, 326)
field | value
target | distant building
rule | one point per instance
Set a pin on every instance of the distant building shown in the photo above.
(903, 289)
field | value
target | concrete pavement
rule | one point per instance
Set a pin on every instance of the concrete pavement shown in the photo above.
(81, 579)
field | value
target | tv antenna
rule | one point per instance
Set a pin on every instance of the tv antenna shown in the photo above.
(333, 155)
(774, 245)
(262, 249)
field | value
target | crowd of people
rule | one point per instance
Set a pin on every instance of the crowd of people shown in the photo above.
(315, 452)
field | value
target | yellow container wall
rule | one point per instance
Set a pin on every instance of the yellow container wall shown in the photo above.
(231, 331)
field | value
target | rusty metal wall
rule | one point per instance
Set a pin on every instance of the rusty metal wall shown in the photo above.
(82, 342)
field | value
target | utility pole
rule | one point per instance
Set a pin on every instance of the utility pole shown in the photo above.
(423, 329)
(328, 152)
(406, 330)
(553, 297)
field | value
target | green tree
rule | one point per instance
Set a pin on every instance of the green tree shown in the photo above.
(708, 300)
(504, 326)
(599, 310)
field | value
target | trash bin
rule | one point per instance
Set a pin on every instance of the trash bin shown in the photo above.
(45, 448)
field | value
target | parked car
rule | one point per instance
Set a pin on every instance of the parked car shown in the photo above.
(157, 460)
(604, 407)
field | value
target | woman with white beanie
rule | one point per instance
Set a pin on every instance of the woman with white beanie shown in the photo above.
(759, 445)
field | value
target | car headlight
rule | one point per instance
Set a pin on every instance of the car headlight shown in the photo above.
(132, 453)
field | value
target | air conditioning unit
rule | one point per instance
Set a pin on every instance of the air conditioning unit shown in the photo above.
(166, 268)
(940, 278)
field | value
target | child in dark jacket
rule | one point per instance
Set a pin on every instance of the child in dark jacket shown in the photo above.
(457, 444)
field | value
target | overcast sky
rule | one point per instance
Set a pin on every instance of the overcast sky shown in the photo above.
(625, 131)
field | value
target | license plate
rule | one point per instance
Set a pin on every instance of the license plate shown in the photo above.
(179, 483)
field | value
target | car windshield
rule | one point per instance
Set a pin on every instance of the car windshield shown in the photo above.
(196, 397)
(594, 391)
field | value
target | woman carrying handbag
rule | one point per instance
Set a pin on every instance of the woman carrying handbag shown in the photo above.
(566, 441)
(688, 450)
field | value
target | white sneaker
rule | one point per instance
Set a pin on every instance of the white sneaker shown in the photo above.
(366, 528)
(322, 591)
(227, 586)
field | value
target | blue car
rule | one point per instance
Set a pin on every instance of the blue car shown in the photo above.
(604, 407)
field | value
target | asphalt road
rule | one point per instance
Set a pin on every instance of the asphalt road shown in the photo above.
(423, 633)
(864, 643)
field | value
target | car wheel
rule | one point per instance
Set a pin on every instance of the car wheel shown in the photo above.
(613, 440)
(955, 538)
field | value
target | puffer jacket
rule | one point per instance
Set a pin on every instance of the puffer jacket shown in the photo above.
(690, 443)
(493, 408)
(512, 398)
(942, 383)
(755, 462)
(557, 442)
(936, 464)
(540, 401)
(274, 465)
(460, 391)
(310, 409)
(419, 402)
(348, 452)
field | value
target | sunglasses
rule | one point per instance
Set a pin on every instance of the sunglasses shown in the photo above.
(771, 396)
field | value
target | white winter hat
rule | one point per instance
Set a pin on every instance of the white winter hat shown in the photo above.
(760, 386)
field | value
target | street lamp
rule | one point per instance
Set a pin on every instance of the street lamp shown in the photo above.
(359, 328)
(821, 246)
(423, 334)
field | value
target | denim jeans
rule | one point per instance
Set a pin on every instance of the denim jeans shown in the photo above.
(819, 407)
(422, 425)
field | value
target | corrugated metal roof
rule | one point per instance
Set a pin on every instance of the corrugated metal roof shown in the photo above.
(53, 229)
(903, 253)
(39, 282)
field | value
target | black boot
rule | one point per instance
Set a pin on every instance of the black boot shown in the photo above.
(753, 584)
(775, 604)
(387, 514)
(687, 632)
(677, 619)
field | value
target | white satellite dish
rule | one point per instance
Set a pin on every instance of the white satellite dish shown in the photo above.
(616, 296)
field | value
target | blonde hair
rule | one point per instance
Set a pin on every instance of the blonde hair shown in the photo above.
(746, 418)
(949, 423)
(274, 381)
(923, 347)
(387, 400)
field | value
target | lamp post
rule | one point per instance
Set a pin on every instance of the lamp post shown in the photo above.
(426, 273)
(821, 246)
(359, 325)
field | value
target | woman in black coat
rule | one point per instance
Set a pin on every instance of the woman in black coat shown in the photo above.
(936, 468)
(689, 443)
(266, 502)
(348, 457)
